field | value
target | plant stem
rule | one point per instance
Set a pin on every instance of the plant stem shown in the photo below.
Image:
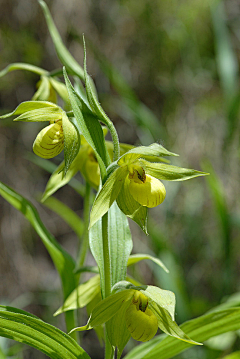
(116, 146)
(106, 256)
(85, 238)
(106, 291)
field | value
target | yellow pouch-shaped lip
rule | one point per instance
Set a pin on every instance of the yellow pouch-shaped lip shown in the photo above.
(149, 193)
(50, 141)
(142, 325)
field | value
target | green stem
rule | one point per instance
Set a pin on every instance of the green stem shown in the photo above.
(116, 146)
(106, 291)
(71, 323)
(106, 257)
(85, 238)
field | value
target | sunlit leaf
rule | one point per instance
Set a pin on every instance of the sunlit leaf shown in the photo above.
(26, 328)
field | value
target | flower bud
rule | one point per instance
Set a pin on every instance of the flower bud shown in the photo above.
(149, 191)
(50, 141)
(142, 325)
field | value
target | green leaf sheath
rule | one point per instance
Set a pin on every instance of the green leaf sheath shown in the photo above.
(25, 328)
(107, 195)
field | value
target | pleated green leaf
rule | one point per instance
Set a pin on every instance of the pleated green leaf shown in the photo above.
(107, 195)
(200, 329)
(82, 295)
(90, 128)
(63, 262)
(168, 172)
(28, 329)
(120, 243)
(135, 258)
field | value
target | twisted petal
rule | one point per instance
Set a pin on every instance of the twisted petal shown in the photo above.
(50, 141)
(149, 193)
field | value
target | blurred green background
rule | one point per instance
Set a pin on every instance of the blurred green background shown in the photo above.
(165, 71)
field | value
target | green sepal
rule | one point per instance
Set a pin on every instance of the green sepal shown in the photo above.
(106, 309)
(135, 258)
(151, 152)
(169, 172)
(61, 90)
(81, 296)
(107, 195)
(34, 111)
(163, 298)
(130, 207)
(72, 142)
(167, 325)
(117, 331)
(43, 91)
(22, 66)
(57, 180)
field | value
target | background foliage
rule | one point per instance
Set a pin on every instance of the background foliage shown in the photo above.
(181, 62)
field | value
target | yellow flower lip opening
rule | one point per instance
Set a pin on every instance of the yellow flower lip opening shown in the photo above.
(140, 320)
(146, 190)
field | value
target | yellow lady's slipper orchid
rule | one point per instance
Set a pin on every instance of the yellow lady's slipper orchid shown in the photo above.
(145, 189)
(136, 312)
(140, 320)
(50, 141)
(134, 183)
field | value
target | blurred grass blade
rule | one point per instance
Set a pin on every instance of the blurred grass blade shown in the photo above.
(63, 262)
(217, 192)
(66, 213)
(227, 64)
(226, 58)
(199, 329)
(26, 328)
